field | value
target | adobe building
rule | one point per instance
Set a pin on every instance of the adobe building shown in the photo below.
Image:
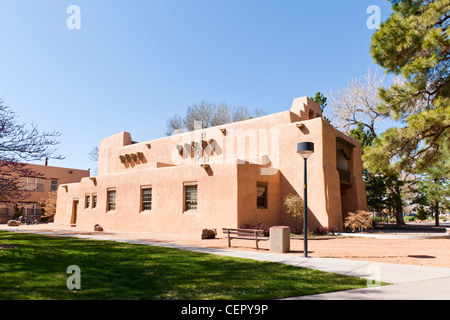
(222, 177)
(37, 188)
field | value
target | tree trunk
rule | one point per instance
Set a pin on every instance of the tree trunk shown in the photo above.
(436, 213)
(398, 210)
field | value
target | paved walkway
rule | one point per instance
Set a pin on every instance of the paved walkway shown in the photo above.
(408, 282)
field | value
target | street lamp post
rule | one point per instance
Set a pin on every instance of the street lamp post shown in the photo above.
(305, 149)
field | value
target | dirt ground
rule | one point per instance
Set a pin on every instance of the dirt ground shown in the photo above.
(425, 252)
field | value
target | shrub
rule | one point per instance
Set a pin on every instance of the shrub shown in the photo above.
(49, 205)
(258, 226)
(359, 220)
(294, 208)
(320, 231)
(421, 213)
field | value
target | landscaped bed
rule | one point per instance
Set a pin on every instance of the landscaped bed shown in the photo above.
(35, 267)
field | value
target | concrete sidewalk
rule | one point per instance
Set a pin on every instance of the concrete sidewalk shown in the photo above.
(408, 282)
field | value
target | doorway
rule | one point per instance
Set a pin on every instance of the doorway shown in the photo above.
(73, 220)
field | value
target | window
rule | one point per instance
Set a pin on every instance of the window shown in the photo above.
(261, 199)
(5, 209)
(39, 184)
(30, 209)
(190, 196)
(23, 183)
(111, 200)
(94, 200)
(31, 184)
(87, 201)
(5, 181)
(6, 178)
(146, 198)
(53, 184)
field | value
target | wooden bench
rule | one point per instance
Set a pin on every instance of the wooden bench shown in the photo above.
(245, 234)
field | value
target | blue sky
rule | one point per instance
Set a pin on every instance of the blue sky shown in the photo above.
(136, 63)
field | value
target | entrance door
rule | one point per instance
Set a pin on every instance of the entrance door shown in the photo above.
(73, 220)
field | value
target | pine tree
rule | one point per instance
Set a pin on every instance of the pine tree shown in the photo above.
(415, 43)
(321, 100)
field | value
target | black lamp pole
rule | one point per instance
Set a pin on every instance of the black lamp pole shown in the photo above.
(305, 149)
(305, 211)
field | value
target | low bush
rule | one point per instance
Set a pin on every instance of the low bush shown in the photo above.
(258, 226)
(294, 208)
(322, 231)
(360, 220)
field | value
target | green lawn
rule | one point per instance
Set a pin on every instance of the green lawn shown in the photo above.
(36, 269)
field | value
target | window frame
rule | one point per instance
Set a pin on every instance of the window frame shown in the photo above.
(108, 203)
(94, 201)
(142, 202)
(186, 186)
(264, 196)
(52, 185)
(87, 201)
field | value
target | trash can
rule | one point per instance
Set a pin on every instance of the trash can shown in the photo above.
(280, 239)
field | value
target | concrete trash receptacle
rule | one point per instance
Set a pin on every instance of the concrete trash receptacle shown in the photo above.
(280, 239)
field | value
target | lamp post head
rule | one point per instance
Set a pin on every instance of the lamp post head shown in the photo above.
(305, 149)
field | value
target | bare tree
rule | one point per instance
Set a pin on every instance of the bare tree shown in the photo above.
(209, 115)
(21, 143)
(358, 103)
(93, 154)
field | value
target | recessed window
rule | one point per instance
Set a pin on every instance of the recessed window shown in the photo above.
(87, 201)
(146, 198)
(94, 200)
(190, 196)
(111, 200)
(261, 199)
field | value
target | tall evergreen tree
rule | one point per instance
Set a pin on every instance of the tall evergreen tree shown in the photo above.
(415, 43)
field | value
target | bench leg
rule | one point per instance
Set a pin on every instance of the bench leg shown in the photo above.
(229, 240)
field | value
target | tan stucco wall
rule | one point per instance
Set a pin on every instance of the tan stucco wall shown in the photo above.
(216, 188)
(248, 212)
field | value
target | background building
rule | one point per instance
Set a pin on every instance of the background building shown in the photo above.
(36, 189)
